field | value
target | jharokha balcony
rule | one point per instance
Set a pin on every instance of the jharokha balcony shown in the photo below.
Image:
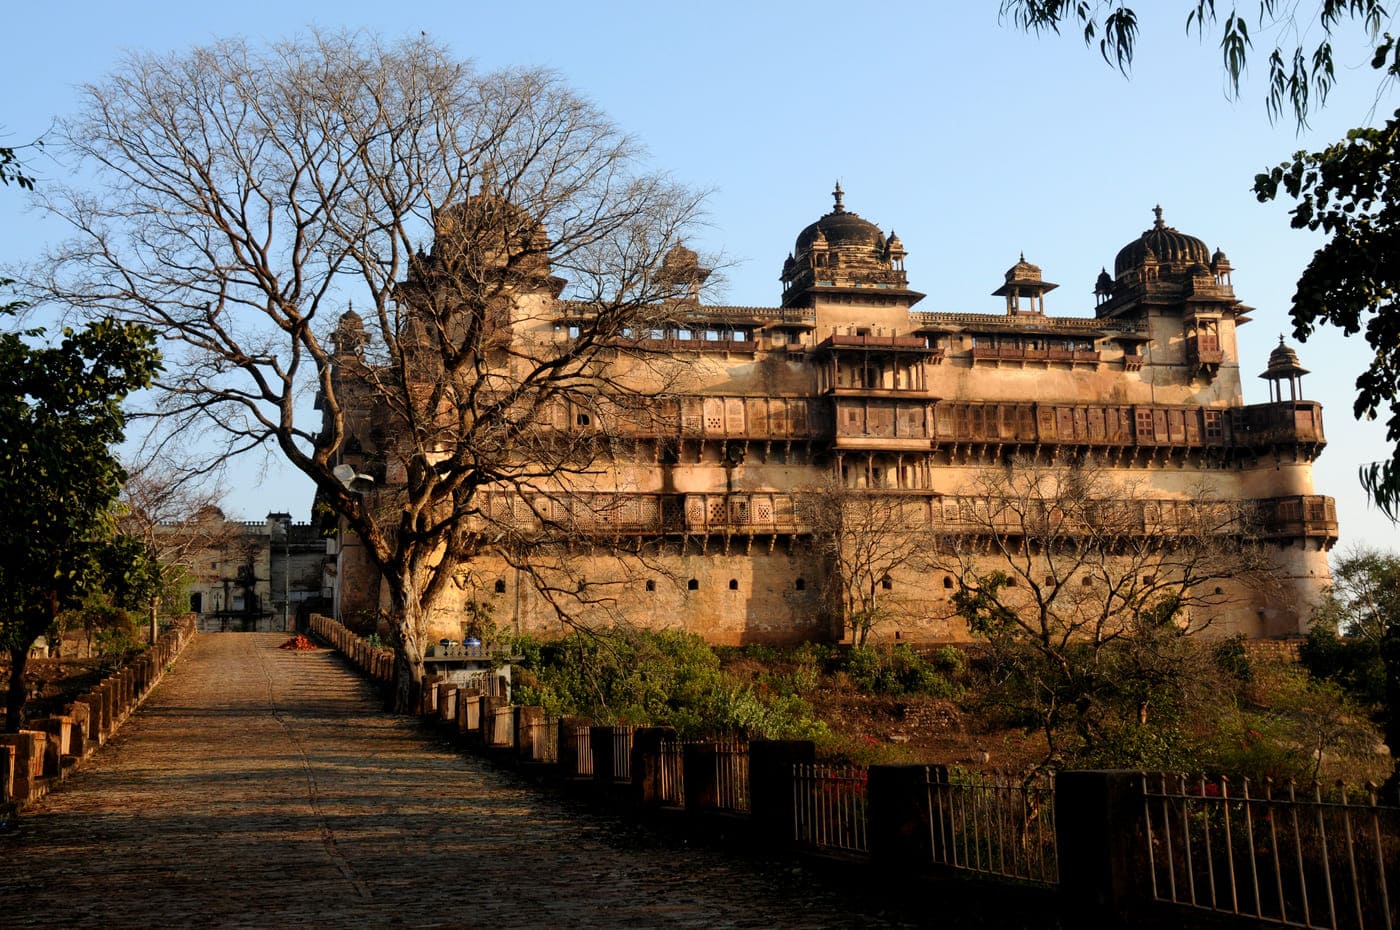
(602, 514)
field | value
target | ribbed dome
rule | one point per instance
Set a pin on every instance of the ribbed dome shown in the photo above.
(841, 229)
(1283, 363)
(1165, 244)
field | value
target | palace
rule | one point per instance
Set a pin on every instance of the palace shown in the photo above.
(846, 389)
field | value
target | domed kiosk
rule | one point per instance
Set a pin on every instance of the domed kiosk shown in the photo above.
(842, 253)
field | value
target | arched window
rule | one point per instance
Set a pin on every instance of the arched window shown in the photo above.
(651, 585)
(733, 584)
(692, 585)
(500, 586)
(886, 583)
(801, 584)
(948, 582)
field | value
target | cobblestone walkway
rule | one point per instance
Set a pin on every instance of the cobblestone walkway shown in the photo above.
(262, 788)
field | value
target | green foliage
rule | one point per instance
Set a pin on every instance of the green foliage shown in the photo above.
(662, 678)
(1354, 642)
(1348, 191)
(899, 671)
(60, 415)
(1299, 76)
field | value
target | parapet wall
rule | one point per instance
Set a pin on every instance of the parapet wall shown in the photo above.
(50, 748)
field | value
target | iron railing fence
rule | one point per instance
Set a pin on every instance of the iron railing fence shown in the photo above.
(830, 807)
(622, 753)
(993, 824)
(503, 727)
(1283, 853)
(732, 775)
(583, 751)
(541, 738)
(671, 787)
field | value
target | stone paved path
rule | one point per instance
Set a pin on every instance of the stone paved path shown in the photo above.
(262, 788)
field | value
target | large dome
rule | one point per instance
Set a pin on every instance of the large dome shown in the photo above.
(1165, 243)
(841, 228)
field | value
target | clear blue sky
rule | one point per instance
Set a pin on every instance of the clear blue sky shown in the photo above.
(974, 142)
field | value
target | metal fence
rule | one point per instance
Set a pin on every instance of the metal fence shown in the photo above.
(622, 753)
(503, 727)
(732, 775)
(583, 751)
(1297, 856)
(672, 781)
(993, 824)
(829, 807)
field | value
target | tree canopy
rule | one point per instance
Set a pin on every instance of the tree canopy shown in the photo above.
(60, 416)
(1343, 191)
(250, 194)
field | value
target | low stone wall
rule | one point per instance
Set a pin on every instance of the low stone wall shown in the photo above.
(374, 662)
(35, 758)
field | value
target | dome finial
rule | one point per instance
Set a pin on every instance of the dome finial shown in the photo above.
(838, 193)
(1158, 211)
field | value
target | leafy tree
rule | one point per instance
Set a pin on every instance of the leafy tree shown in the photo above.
(1348, 191)
(1344, 191)
(1355, 638)
(1097, 591)
(663, 678)
(1300, 75)
(60, 414)
(249, 193)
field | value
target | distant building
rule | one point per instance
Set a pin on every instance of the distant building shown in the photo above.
(247, 576)
(845, 381)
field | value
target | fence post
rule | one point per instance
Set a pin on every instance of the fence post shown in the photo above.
(701, 763)
(568, 745)
(1100, 838)
(899, 815)
(771, 785)
(646, 764)
(601, 739)
(529, 727)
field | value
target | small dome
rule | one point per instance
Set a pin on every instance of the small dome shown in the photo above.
(1104, 284)
(1283, 363)
(1218, 257)
(1023, 271)
(1161, 243)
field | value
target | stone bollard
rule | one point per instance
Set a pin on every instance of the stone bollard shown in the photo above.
(604, 747)
(447, 703)
(28, 751)
(900, 816)
(701, 762)
(60, 731)
(471, 719)
(428, 708)
(93, 702)
(771, 785)
(529, 733)
(81, 740)
(7, 773)
(1100, 843)
(648, 772)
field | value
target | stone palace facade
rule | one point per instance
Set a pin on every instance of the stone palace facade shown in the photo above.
(847, 385)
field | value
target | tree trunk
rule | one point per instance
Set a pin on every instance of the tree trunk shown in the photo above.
(16, 695)
(408, 657)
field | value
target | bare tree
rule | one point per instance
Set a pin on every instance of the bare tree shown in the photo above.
(248, 194)
(865, 537)
(1086, 586)
(177, 519)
